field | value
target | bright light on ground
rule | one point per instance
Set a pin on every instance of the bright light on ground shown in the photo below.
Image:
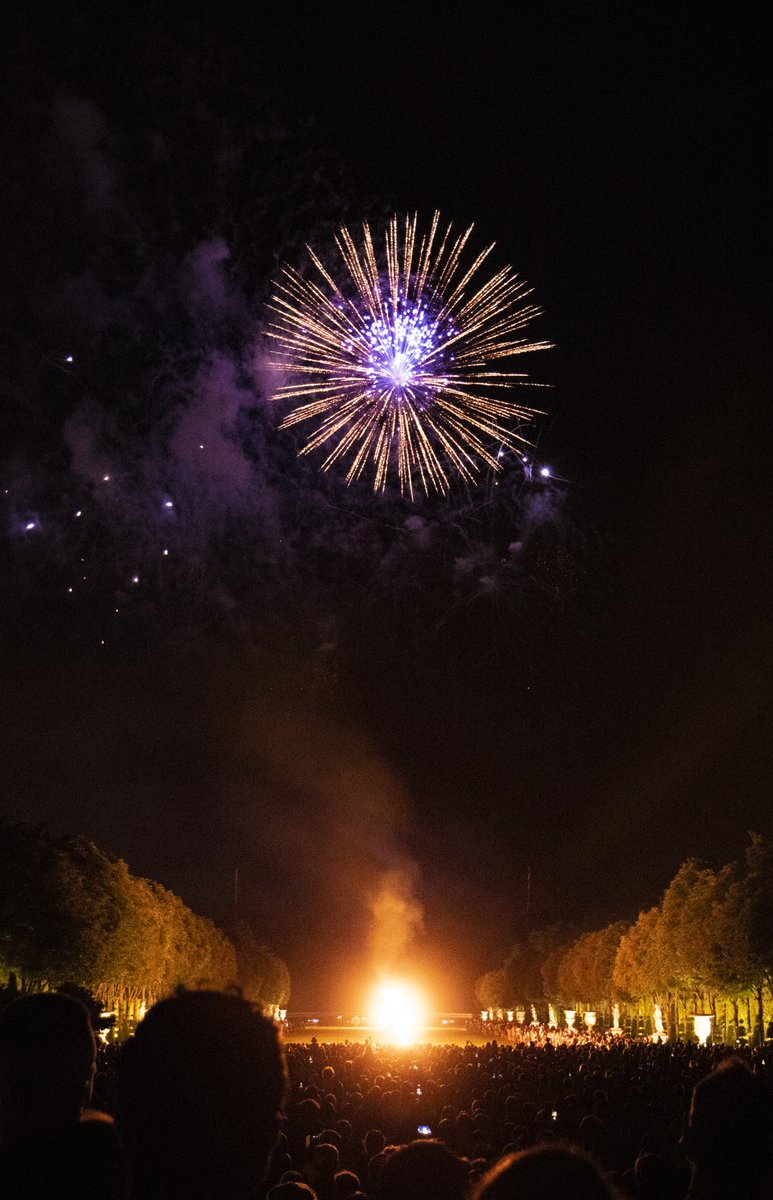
(398, 1012)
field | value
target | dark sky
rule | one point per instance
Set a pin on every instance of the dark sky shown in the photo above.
(329, 689)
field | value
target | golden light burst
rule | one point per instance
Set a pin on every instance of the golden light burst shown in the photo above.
(397, 360)
(398, 1012)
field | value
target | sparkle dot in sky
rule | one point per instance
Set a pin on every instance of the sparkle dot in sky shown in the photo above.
(165, 553)
(30, 525)
(69, 359)
(105, 478)
(70, 589)
(545, 472)
(79, 513)
(135, 578)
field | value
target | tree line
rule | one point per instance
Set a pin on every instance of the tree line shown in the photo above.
(71, 914)
(707, 947)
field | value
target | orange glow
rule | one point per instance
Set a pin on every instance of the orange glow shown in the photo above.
(398, 1011)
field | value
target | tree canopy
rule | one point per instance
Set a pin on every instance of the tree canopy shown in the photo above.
(710, 938)
(71, 913)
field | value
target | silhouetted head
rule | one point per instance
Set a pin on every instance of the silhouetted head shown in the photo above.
(730, 1128)
(552, 1172)
(200, 1087)
(291, 1190)
(374, 1142)
(345, 1184)
(422, 1170)
(47, 1056)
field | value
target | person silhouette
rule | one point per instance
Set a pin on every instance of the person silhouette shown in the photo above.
(47, 1064)
(200, 1087)
(729, 1136)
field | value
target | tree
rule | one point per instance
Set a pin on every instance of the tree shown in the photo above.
(70, 914)
(263, 976)
(490, 989)
(753, 910)
(638, 968)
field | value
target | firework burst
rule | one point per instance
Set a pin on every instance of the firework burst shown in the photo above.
(397, 361)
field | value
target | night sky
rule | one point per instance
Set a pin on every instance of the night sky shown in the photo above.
(329, 689)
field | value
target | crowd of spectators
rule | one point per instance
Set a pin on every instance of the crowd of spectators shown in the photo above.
(203, 1103)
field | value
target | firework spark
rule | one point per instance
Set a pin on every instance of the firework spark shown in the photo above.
(397, 361)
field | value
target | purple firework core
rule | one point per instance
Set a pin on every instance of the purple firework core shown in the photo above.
(405, 353)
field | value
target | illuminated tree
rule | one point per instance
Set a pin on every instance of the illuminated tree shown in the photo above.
(263, 976)
(638, 968)
(69, 913)
(749, 913)
(490, 989)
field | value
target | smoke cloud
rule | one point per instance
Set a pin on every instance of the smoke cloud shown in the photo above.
(397, 917)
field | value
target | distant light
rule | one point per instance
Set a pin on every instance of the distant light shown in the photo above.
(69, 589)
(79, 513)
(165, 553)
(135, 578)
(105, 478)
(545, 472)
(30, 525)
(69, 358)
(201, 445)
(102, 641)
(169, 504)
